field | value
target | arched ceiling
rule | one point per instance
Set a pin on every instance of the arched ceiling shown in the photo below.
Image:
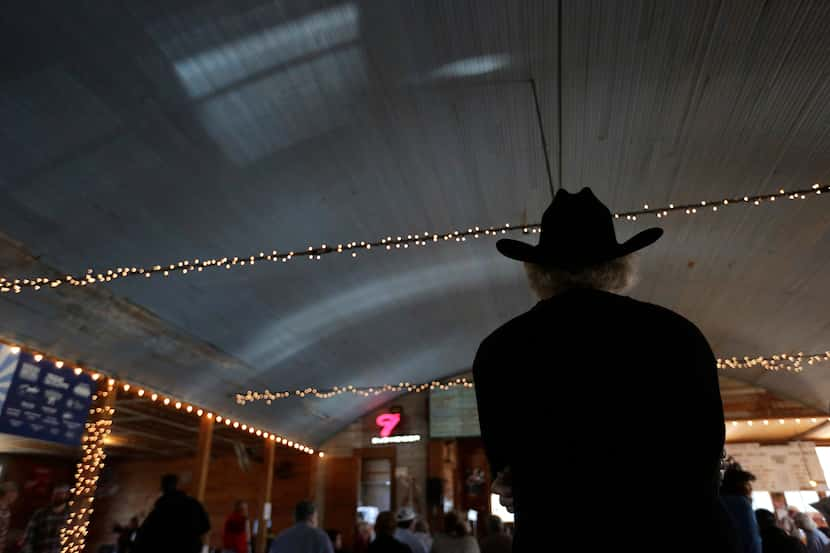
(149, 132)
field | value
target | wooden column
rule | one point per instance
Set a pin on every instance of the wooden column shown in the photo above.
(98, 426)
(262, 535)
(203, 457)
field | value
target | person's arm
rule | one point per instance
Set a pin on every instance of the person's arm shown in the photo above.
(492, 415)
(703, 423)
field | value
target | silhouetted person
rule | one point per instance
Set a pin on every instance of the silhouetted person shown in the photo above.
(8, 495)
(236, 532)
(405, 531)
(175, 525)
(304, 536)
(385, 542)
(456, 536)
(650, 411)
(736, 495)
(126, 535)
(43, 531)
(496, 540)
(773, 538)
(421, 531)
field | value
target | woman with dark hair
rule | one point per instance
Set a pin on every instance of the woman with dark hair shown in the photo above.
(736, 496)
(456, 536)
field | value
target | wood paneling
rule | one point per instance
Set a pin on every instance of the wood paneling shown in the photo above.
(341, 493)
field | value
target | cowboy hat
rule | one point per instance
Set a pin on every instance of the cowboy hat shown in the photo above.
(577, 231)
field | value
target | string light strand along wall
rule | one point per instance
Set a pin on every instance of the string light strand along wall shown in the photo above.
(390, 243)
(790, 362)
(88, 471)
(268, 397)
(793, 362)
(163, 401)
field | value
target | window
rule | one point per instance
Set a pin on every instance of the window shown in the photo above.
(498, 510)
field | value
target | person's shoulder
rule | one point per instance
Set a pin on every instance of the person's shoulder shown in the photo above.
(665, 317)
(506, 331)
(319, 533)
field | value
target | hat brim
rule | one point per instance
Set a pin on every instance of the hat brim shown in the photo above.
(522, 251)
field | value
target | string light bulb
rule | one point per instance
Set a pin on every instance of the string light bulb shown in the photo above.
(400, 243)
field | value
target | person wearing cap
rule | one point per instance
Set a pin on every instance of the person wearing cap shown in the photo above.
(8, 495)
(404, 532)
(42, 534)
(592, 391)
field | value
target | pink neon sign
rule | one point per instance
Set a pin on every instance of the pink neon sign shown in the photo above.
(387, 423)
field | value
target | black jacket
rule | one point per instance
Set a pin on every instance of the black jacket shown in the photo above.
(387, 544)
(175, 525)
(608, 412)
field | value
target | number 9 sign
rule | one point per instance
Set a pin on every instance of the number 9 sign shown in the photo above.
(387, 423)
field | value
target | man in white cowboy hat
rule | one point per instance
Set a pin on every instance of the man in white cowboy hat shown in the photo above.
(593, 399)
(404, 533)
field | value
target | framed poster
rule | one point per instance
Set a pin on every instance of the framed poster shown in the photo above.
(39, 400)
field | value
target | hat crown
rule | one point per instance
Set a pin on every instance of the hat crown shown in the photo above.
(577, 223)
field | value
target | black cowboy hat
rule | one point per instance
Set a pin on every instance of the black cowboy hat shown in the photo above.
(577, 232)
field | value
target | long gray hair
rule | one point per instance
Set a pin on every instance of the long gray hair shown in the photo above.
(617, 275)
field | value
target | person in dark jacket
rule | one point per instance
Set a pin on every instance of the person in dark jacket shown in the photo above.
(591, 389)
(736, 496)
(385, 542)
(773, 538)
(175, 525)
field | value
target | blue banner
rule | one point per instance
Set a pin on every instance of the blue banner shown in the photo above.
(39, 400)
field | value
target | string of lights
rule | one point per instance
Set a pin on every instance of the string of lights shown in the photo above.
(164, 401)
(388, 244)
(268, 397)
(773, 422)
(790, 362)
(87, 473)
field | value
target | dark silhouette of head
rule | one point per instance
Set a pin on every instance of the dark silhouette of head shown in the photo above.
(455, 525)
(494, 525)
(386, 524)
(765, 518)
(305, 511)
(169, 483)
(737, 481)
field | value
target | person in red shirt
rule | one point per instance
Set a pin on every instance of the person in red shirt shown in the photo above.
(235, 538)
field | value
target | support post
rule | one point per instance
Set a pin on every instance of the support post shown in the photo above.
(262, 535)
(203, 456)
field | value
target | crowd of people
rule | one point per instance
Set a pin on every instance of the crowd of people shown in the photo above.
(762, 531)
(42, 534)
(401, 532)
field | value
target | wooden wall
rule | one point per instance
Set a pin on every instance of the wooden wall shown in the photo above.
(341, 491)
(131, 487)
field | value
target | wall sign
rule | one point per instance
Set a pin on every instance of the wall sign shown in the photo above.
(387, 423)
(39, 400)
